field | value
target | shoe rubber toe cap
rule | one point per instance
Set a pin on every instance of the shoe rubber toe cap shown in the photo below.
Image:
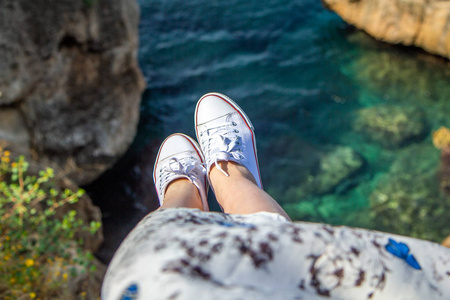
(173, 145)
(212, 106)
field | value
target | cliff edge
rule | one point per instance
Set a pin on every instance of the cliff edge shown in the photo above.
(420, 23)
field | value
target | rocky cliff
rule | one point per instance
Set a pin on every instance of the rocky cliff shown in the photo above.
(70, 86)
(420, 23)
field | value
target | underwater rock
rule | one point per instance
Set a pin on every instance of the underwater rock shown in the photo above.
(334, 168)
(420, 23)
(407, 199)
(381, 71)
(71, 72)
(391, 126)
(400, 77)
(289, 161)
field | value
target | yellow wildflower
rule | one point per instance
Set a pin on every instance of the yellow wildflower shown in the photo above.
(29, 262)
(14, 165)
(32, 295)
(65, 275)
(7, 238)
(5, 159)
(6, 153)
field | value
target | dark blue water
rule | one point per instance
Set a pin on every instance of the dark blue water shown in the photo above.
(304, 78)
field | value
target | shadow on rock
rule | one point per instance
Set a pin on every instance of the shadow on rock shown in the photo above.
(125, 194)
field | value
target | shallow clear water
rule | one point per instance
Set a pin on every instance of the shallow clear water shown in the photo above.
(304, 78)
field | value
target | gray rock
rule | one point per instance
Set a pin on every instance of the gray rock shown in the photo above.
(71, 71)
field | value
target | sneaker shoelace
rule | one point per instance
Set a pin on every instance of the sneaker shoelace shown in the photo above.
(185, 166)
(221, 143)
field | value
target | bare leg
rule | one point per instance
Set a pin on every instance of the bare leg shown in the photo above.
(182, 193)
(238, 193)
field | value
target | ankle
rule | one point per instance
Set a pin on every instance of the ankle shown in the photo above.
(182, 188)
(234, 170)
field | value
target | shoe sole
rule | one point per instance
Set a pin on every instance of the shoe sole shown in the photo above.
(199, 153)
(243, 115)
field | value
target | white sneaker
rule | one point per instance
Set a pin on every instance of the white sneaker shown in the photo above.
(180, 157)
(225, 133)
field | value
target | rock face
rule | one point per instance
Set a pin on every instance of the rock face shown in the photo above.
(70, 82)
(420, 23)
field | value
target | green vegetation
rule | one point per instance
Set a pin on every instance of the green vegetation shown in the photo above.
(39, 247)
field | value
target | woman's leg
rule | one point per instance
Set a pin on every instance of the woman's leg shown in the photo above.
(238, 193)
(182, 193)
(227, 139)
(179, 174)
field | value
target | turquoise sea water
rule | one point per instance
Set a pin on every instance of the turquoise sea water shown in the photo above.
(343, 122)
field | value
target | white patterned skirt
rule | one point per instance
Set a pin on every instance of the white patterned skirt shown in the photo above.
(189, 254)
